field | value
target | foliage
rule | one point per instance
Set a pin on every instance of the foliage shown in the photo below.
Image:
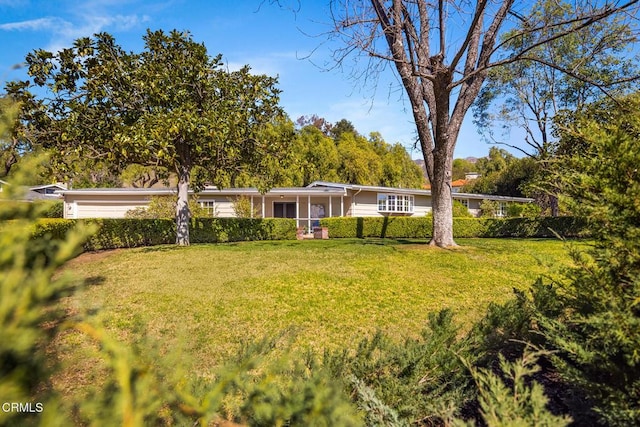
(513, 401)
(130, 233)
(591, 317)
(460, 210)
(461, 167)
(528, 94)
(242, 208)
(171, 106)
(523, 210)
(442, 74)
(403, 227)
(502, 174)
(422, 379)
(351, 158)
(138, 176)
(165, 207)
(52, 208)
(12, 146)
(489, 208)
(29, 315)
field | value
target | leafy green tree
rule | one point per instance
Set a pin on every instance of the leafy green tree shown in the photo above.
(10, 145)
(592, 318)
(164, 207)
(503, 174)
(171, 106)
(139, 176)
(398, 169)
(461, 167)
(442, 52)
(359, 163)
(340, 127)
(318, 157)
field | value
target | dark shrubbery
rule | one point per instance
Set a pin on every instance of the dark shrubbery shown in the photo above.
(409, 227)
(591, 318)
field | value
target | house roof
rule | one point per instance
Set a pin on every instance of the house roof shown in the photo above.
(357, 187)
(41, 187)
(281, 191)
(316, 188)
(415, 191)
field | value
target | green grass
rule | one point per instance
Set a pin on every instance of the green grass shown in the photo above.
(206, 299)
(192, 308)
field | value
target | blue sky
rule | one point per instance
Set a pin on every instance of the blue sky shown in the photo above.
(279, 41)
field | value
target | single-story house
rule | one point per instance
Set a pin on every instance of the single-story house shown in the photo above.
(305, 204)
(39, 192)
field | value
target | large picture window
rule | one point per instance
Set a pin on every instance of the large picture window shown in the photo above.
(395, 203)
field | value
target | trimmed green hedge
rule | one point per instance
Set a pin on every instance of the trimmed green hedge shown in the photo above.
(129, 233)
(408, 227)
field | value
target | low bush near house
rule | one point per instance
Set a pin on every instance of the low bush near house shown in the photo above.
(409, 227)
(129, 233)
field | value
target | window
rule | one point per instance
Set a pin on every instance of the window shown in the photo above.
(465, 202)
(210, 207)
(502, 209)
(284, 210)
(392, 203)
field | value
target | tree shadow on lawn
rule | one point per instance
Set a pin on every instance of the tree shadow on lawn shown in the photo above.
(161, 248)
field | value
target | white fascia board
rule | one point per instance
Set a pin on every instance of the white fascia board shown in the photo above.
(475, 196)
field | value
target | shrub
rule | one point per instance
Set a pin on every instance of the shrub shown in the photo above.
(460, 210)
(591, 318)
(128, 233)
(416, 227)
(164, 207)
(53, 209)
(242, 208)
(489, 208)
(421, 379)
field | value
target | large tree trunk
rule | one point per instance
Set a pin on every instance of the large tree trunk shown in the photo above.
(441, 200)
(182, 207)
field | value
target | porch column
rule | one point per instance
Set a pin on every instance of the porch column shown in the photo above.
(262, 206)
(330, 210)
(251, 214)
(309, 211)
(341, 205)
(297, 211)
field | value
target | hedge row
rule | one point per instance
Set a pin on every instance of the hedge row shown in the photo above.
(407, 227)
(129, 233)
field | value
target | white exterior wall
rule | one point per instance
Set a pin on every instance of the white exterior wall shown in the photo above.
(421, 205)
(365, 204)
(101, 207)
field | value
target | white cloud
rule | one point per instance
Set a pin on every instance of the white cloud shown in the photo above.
(272, 64)
(32, 25)
(64, 31)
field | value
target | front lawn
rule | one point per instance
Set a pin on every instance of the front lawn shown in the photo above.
(203, 301)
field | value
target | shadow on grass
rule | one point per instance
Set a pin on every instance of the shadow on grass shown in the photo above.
(94, 281)
(161, 248)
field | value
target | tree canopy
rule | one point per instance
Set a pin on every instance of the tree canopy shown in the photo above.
(170, 106)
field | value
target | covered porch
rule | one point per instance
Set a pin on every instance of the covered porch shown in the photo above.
(306, 205)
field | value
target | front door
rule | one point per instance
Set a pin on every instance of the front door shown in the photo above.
(284, 210)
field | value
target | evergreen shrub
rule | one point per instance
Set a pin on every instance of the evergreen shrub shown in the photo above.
(421, 227)
(128, 233)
